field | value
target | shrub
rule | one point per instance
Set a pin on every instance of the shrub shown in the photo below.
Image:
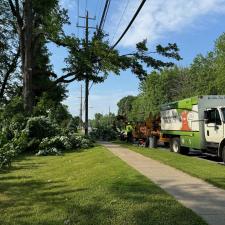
(49, 151)
(58, 142)
(40, 127)
(3, 139)
(55, 145)
(80, 141)
(7, 153)
(105, 133)
(20, 142)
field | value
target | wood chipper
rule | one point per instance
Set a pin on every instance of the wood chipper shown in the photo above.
(148, 132)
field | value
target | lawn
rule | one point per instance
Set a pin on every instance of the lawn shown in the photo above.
(92, 187)
(210, 172)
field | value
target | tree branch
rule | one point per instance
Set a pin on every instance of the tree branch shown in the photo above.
(10, 70)
(16, 13)
(62, 78)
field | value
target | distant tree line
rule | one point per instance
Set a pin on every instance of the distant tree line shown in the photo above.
(205, 76)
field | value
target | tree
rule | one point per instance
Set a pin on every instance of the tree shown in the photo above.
(125, 105)
(36, 21)
(9, 54)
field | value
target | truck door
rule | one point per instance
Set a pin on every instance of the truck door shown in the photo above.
(213, 126)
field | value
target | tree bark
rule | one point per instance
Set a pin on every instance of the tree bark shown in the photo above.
(27, 72)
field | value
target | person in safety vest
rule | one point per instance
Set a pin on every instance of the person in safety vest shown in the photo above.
(129, 130)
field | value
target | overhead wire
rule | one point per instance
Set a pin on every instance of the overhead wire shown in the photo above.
(102, 23)
(120, 21)
(107, 10)
(130, 23)
(96, 8)
(104, 15)
(78, 13)
(100, 9)
(86, 5)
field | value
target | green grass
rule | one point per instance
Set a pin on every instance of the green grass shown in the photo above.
(210, 172)
(87, 188)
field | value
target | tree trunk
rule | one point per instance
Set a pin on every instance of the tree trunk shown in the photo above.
(27, 71)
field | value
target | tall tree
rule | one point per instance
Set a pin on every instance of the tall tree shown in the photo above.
(36, 21)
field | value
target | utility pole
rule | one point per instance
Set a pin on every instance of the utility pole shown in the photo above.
(87, 18)
(86, 80)
(81, 106)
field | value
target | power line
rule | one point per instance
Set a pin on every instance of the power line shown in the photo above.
(100, 7)
(104, 14)
(131, 22)
(86, 5)
(118, 25)
(96, 8)
(78, 13)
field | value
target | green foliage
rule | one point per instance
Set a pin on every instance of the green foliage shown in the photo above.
(104, 133)
(104, 127)
(56, 145)
(125, 105)
(40, 127)
(205, 76)
(73, 124)
(7, 154)
(100, 59)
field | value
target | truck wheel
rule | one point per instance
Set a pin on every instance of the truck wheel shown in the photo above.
(184, 150)
(175, 145)
(147, 142)
(223, 154)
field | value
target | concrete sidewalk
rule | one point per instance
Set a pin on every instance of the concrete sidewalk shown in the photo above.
(204, 199)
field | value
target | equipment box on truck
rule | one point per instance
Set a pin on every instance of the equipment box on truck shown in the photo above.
(197, 123)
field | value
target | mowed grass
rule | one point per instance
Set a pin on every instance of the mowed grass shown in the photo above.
(92, 187)
(210, 172)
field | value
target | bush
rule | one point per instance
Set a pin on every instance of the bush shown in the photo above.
(3, 139)
(80, 142)
(59, 142)
(7, 153)
(55, 145)
(40, 127)
(49, 151)
(20, 142)
(103, 133)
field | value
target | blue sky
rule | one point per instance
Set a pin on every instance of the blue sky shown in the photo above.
(194, 25)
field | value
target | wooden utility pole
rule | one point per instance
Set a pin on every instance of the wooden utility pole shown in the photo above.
(87, 79)
(87, 18)
(81, 106)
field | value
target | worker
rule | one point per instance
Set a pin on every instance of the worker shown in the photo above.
(129, 130)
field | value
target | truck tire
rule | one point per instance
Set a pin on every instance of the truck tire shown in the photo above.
(184, 150)
(175, 145)
(223, 154)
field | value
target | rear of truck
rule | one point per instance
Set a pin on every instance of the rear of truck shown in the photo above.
(180, 123)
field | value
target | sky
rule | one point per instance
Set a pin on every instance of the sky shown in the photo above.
(194, 25)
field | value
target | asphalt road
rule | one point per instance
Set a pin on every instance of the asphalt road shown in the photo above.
(197, 154)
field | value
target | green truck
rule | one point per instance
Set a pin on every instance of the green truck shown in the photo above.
(196, 123)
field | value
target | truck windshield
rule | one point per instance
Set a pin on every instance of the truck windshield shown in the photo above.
(223, 112)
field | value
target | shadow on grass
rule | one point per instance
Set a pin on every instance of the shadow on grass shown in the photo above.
(157, 206)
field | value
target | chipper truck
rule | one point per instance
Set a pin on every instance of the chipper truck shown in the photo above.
(196, 123)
